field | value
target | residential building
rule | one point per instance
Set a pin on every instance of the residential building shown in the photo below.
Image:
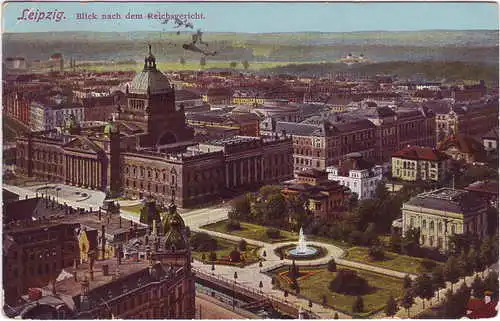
(490, 141)
(47, 114)
(357, 174)
(150, 277)
(444, 212)
(325, 198)
(34, 253)
(415, 163)
(463, 148)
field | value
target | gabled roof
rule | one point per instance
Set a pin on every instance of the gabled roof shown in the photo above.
(420, 153)
(492, 134)
(464, 143)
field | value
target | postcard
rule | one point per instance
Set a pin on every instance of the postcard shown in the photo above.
(250, 160)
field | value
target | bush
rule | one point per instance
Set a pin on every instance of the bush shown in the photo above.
(355, 237)
(203, 242)
(242, 245)
(273, 233)
(332, 265)
(235, 256)
(233, 225)
(358, 305)
(203, 257)
(376, 252)
(348, 282)
(426, 266)
(212, 257)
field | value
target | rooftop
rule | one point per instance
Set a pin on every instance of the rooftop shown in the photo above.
(448, 200)
(420, 153)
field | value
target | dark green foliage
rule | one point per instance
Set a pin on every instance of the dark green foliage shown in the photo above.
(491, 282)
(358, 305)
(456, 304)
(427, 266)
(273, 233)
(182, 61)
(233, 225)
(203, 257)
(465, 267)
(451, 271)
(407, 282)
(212, 257)
(410, 242)
(438, 281)
(203, 242)
(242, 245)
(391, 307)
(240, 208)
(332, 265)
(376, 252)
(233, 64)
(235, 256)
(336, 316)
(348, 282)
(245, 64)
(395, 242)
(424, 288)
(478, 287)
(310, 303)
(407, 301)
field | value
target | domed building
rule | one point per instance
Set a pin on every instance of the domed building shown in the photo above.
(151, 107)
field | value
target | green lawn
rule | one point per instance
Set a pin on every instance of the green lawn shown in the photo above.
(224, 248)
(315, 286)
(393, 261)
(252, 231)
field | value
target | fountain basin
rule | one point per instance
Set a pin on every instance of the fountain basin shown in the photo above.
(290, 252)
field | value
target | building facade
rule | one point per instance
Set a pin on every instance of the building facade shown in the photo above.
(360, 176)
(444, 212)
(415, 163)
(149, 149)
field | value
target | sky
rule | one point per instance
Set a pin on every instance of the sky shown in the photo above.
(253, 17)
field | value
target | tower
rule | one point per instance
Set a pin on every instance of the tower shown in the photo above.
(151, 106)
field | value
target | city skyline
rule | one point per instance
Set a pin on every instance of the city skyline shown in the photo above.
(261, 17)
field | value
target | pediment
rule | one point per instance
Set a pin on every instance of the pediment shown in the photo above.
(82, 145)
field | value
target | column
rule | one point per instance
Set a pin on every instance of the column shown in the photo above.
(256, 167)
(227, 175)
(234, 172)
(241, 171)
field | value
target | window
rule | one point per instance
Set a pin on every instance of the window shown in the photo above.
(440, 226)
(431, 240)
(431, 226)
(424, 224)
(453, 229)
(412, 222)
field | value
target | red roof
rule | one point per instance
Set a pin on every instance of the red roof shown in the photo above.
(420, 153)
(487, 187)
(481, 310)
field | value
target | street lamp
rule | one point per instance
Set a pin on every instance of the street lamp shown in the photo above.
(234, 285)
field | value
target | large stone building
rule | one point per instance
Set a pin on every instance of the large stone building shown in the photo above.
(415, 163)
(444, 212)
(322, 141)
(149, 149)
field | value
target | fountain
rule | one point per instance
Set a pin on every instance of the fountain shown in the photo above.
(302, 249)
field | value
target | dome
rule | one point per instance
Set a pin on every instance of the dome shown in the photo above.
(150, 80)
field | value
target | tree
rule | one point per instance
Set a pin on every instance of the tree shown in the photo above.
(332, 265)
(478, 287)
(410, 242)
(395, 242)
(213, 256)
(203, 257)
(324, 300)
(358, 305)
(407, 282)
(285, 293)
(203, 62)
(473, 259)
(245, 64)
(235, 256)
(233, 64)
(485, 253)
(348, 282)
(376, 252)
(423, 288)
(336, 316)
(310, 304)
(182, 61)
(438, 281)
(242, 245)
(241, 208)
(407, 301)
(202, 241)
(450, 271)
(391, 307)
